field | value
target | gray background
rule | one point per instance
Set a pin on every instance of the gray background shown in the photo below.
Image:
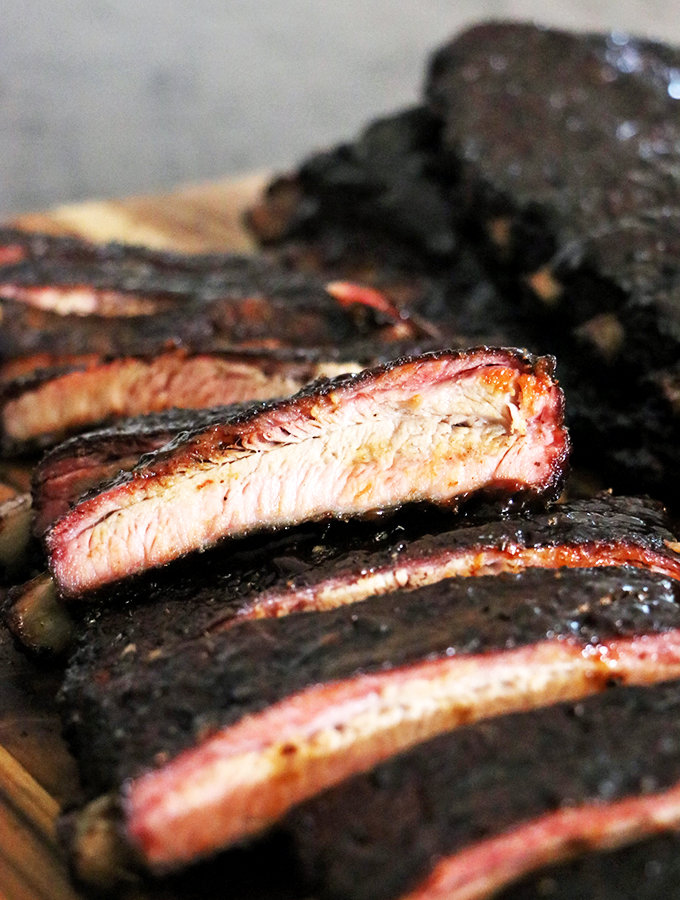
(100, 98)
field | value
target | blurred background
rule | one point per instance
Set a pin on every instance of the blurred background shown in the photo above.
(102, 98)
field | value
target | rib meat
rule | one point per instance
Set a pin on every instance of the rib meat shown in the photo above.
(70, 276)
(217, 741)
(287, 310)
(568, 243)
(384, 209)
(467, 813)
(433, 428)
(70, 469)
(304, 570)
(44, 408)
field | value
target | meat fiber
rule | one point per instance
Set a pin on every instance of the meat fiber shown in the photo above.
(216, 742)
(467, 813)
(70, 469)
(46, 407)
(433, 428)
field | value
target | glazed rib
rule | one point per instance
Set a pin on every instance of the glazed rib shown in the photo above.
(70, 469)
(384, 209)
(472, 811)
(247, 723)
(295, 311)
(603, 531)
(432, 428)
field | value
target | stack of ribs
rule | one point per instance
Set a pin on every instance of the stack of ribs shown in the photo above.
(298, 532)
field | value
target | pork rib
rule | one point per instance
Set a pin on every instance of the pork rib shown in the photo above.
(583, 224)
(295, 311)
(467, 813)
(246, 723)
(73, 277)
(49, 406)
(433, 428)
(304, 570)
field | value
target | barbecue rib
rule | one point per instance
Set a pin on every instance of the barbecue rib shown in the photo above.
(583, 222)
(49, 405)
(568, 243)
(15, 530)
(437, 428)
(384, 210)
(469, 812)
(300, 312)
(246, 723)
(70, 276)
(304, 570)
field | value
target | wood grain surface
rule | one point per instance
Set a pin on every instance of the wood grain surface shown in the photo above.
(37, 774)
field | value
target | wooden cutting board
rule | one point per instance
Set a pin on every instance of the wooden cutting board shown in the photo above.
(37, 775)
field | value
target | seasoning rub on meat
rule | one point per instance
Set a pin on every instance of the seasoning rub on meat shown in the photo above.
(216, 739)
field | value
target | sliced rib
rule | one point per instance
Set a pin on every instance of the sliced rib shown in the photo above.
(433, 428)
(470, 812)
(71, 276)
(53, 404)
(216, 742)
(304, 570)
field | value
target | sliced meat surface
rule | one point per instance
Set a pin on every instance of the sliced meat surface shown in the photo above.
(70, 469)
(434, 428)
(470, 812)
(45, 409)
(304, 570)
(221, 739)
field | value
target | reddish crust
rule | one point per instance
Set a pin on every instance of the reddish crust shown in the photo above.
(245, 777)
(481, 870)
